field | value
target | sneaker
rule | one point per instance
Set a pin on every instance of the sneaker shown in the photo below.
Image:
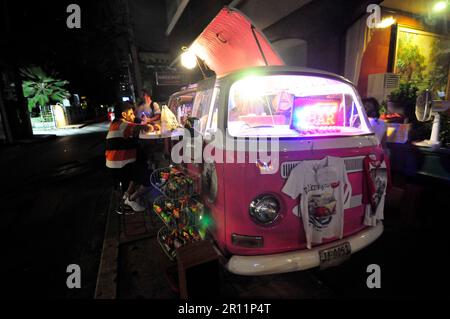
(134, 205)
(124, 209)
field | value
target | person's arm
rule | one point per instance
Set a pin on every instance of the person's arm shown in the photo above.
(156, 113)
(133, 129)
(155, 118)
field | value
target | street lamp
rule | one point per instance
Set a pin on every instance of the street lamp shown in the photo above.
(440, 6)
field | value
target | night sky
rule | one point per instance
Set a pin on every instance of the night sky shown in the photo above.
(90, 57)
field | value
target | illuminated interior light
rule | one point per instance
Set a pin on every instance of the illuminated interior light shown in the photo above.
(386, 23)
(251, 87)
(440, 6)
(188, 60)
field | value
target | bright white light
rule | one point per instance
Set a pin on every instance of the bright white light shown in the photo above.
(251, 87)
(385, 23)
(188, 60)
(440, 6)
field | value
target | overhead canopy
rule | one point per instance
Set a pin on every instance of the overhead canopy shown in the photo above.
(228, 44)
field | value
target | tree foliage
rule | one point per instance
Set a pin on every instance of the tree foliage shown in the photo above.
(40, 88)
(410, 61)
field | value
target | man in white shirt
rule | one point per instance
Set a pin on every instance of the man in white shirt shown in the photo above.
(148, 111)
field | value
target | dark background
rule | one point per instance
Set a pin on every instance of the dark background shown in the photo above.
(90, 57)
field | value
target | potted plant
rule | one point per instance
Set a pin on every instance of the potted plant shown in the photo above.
(402, 101)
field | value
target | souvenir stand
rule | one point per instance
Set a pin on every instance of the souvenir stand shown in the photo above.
(177, 208)
(176, 205)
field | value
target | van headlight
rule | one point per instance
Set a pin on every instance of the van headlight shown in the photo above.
(265, 210)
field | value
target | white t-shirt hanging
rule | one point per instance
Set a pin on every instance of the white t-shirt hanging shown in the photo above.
(325, 192)
(377, 180)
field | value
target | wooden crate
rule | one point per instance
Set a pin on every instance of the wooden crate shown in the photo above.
(198, 270)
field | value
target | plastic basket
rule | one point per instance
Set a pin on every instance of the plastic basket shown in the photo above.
(168, 251)
(176, 182)
(189, 211)
(169, 243)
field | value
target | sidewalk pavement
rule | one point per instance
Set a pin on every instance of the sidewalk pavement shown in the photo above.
(139, 269)
(74, 129)
(133, 266)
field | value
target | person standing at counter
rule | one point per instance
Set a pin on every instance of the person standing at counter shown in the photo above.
(148, 111)
(121, 156)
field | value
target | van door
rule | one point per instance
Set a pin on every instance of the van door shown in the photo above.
(205, 110)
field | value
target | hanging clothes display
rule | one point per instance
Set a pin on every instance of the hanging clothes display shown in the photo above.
(377, 181)
(325, 192)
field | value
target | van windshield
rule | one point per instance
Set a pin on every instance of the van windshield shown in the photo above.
(294, 106)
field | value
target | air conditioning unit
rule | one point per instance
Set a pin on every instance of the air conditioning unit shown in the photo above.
(381, 85)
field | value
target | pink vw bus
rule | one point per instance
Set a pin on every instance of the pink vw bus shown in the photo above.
(301, 115)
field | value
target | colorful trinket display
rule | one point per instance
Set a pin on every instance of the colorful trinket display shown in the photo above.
(180, 213)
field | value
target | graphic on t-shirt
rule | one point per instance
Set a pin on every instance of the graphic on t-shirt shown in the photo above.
(377, 181)
(321, 210)
(321, 204)
(379, 176)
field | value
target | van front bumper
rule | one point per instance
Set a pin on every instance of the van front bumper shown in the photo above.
(297, 260)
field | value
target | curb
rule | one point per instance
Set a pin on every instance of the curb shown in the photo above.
(106, 286)
(37, 138)
(92, 122)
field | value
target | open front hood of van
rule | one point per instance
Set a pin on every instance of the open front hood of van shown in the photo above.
(228, 44)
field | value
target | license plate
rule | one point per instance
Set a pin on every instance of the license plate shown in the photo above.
(334, 256)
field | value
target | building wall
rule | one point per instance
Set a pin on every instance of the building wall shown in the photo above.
(14, 107)
(322, 25)
(15, 117)
(376, 57)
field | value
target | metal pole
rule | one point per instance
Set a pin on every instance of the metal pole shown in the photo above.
(259, 45)
(137, 79)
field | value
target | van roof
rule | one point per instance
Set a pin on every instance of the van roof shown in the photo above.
(270, 69)
(287, 69)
